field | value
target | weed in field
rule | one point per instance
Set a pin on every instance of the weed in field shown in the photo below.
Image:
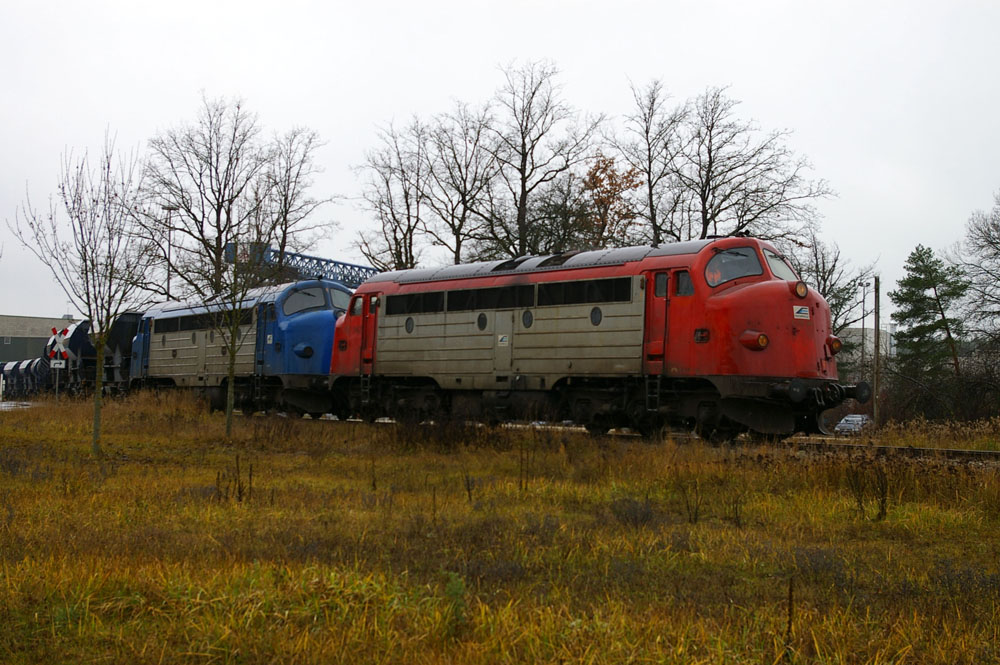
(690, 489)
(868, 482)
(632, 512)
(231, 484)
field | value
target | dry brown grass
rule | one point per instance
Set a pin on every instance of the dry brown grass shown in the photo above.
(356, 543)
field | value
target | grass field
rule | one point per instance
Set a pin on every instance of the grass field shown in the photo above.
(320, 542)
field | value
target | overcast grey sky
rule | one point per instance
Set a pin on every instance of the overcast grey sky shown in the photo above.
(894, 103)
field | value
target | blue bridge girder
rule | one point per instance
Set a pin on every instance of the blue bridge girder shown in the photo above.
(350, 275)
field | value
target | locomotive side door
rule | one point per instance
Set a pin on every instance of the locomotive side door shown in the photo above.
(655, 335)
(369, 333)
(503, 340)
(268, 343)
(686, 315)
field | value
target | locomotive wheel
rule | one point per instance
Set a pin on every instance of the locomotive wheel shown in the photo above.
(717, 435)
(597, 428)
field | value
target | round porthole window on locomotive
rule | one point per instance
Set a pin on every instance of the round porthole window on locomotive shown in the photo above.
(409, 324)
(596, 316)
(481, 322)
(527, 318)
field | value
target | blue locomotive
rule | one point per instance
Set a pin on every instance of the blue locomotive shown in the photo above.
(284, 345)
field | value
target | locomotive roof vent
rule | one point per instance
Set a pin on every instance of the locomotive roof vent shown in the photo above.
(558, 259)
(510, 264)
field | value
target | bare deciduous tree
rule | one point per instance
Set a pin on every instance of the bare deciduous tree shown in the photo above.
(229, 197)
(650, 146)
(821, 266)
(460, 169)
(735, 179)
(88, 240)
(208, 174)
(536, 141)
(979, 257)
(561, 216)
(395, 191)
(287, 182)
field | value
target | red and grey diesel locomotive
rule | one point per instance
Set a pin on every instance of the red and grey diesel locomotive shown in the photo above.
(717, 335)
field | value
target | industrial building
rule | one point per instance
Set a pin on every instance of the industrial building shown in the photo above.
(23, 337)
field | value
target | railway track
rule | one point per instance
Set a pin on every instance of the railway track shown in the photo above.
(871, 449)
(819, 444)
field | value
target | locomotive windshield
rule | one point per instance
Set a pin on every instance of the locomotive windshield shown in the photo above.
(730, 264)
(304, 300)
(779, 266)
(339, 299)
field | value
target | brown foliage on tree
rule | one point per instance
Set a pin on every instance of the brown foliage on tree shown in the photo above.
(612, 215)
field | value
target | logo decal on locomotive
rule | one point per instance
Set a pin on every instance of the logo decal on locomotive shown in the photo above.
(503, 340)
(801, 312)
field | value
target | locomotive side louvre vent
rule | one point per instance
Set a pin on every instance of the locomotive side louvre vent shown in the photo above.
(577, 292)
(497, 297)
(415, 303)
(615, 289)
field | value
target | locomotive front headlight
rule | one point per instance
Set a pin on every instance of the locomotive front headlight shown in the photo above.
(835, 344)
(754, 340)
(800, 289)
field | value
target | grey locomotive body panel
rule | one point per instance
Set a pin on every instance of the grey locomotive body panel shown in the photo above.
(561, 341)
(198, 357)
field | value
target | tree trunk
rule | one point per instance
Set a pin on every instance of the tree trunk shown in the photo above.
(947, 333)
(95, 441)
(652, 214)
(231, 387)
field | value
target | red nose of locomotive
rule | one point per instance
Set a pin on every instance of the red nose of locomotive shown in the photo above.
(774, 329)
(773, 339)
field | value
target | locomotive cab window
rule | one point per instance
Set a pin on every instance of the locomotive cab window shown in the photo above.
(730, 264)
(683, 286)
(356, 305)
(660, 285)
(779, 266)
(303, 301)
(339, 299)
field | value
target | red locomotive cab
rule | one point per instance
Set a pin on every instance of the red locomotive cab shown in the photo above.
(354, 339)
(760, 320)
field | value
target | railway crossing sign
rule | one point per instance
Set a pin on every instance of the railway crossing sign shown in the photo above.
(58, 349)
(58, 354)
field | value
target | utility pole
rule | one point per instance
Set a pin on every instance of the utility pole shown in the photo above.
(169, 209)
(864, 294)
(878, 354)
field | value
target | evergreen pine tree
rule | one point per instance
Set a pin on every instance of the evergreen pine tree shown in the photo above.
(927, 345)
